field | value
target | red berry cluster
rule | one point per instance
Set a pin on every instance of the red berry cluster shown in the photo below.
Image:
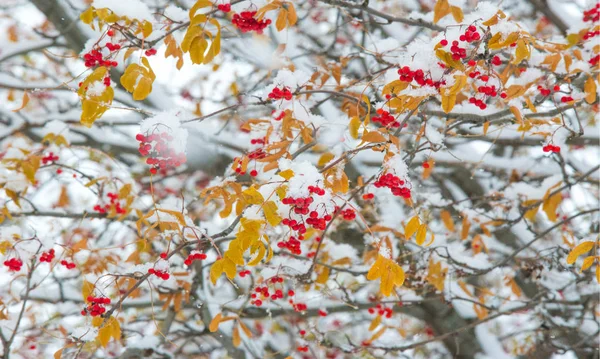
(368, 196)
(161, 155)
(292, 245)
(551, 148)
(299, 205)
(224, 7)
(95, 58)
(67, 264)
(381, 310)
(246, 22)
(565, 99)
(496, 61)
(47, 256)
(150, 52)
(593, 14)
(96, 306)
(159, 273)
(13, 264)
(49, 158)
(348, 214)
(114, 202)
(394, 183)
(194, 257)
(594, 60)
(280, 116)
(588, 35)
(457, 52)
(262, 292)
(385, 119)
(244, 273)
(407, 75)
(547, 92)
(470, 35)
(278, 94)
(303, 349)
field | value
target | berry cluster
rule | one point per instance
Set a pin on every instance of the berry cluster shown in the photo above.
(348, 214)
(150, 52)
(13, 264)
(547, 92)
(224, 7)
(49, 158)
(257, 141)
(457, 52)
(160, 154)
(96, 306)
(114, 203)
(593, 14)
(565, 99)
(95, 58)
(394, 183)
(368, 196)
(594, 60)
(244, 273)
(299, 205)
(551, 148)
(292, 245)
(407, 75)
(470, 35)
(67, 264)
(246, 22)
(47, 256)
(278, 94)
(262, 292)
(159, 273)
(194, 257)
(385, 119)
(381, 310)
(588, 35)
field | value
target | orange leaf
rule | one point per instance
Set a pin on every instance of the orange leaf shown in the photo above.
(24, 103)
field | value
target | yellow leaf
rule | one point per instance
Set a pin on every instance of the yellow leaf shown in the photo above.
(486, 127)
(199, 5)
(457, 13)
(87, 16)
(375, 323)
(421, 234)
(292, 18)
(111, 329)
(245, 329)
(287, 174)
(138, 80)
(494, 19)
(522, 52)
(270, 209)
(411, 227)
(466, 226)
(598, 273)
(447, 219)
(353, 127)
(550, 205)
(590, 90)
(24, 103)
(580, 249)
(530, 214)
(587, 262)
(441, 9)
(87, 289)
(214, 323)
(235, 337)
(448, 103)
(252, 196)
(281, 19)
(390, 272)
(373, 136)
